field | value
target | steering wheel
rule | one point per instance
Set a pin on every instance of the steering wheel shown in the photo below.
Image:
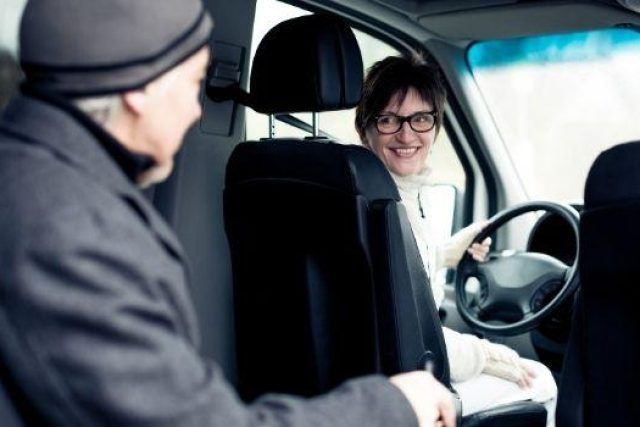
(513, 286)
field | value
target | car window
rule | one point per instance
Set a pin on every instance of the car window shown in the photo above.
(559, 100)
(10, 12)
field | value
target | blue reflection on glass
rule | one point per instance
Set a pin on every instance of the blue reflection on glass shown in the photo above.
(540, 50)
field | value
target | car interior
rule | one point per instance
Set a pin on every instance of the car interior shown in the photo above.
(329, 212)
(304, 271)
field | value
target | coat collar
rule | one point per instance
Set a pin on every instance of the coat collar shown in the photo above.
(39, 122)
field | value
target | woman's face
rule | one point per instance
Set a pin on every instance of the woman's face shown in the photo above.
(404, 152)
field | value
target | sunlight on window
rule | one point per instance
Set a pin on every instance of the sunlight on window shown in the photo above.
(10, 14)
(559, 101)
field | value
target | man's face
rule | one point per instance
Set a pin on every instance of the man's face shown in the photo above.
(171, 107)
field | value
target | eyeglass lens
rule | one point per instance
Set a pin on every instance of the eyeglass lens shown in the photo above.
(391, 123)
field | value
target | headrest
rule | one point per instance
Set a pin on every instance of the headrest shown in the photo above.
(350, 169)
(307, 64)
(614, 176)
(310, 63)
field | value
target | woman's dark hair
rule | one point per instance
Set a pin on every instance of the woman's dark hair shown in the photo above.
(397, 74)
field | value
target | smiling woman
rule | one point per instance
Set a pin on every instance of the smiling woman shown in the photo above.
(398, 118)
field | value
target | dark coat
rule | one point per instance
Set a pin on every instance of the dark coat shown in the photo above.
(97, 326)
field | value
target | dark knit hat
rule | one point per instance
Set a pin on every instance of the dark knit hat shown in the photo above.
(92, 47)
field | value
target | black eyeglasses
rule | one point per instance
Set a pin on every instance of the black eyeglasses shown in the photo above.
(422, 121)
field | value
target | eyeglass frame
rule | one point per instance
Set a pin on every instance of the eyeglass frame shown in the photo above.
(404, 119)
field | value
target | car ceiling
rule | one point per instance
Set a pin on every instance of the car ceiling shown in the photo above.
(467, 20)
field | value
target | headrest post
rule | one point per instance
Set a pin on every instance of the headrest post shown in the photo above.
(316, 125)
(272, 126)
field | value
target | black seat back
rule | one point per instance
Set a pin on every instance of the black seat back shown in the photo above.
(328, 282)
(326, 272)
(600, 374)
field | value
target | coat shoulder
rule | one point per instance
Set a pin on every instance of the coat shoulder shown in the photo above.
(42, 193)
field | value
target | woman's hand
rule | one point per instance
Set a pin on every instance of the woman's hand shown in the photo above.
(479, 251)
(503, 362)
(454, 249)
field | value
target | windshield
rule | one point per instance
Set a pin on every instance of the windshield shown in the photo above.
(559, 100)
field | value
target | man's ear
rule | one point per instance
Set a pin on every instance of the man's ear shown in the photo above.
(135, 101)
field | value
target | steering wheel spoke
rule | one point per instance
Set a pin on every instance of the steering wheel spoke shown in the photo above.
(516, 288)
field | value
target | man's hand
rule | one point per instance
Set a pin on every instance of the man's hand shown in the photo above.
(430, 400)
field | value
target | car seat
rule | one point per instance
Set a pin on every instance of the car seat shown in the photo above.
(328, 282)
(600, 368)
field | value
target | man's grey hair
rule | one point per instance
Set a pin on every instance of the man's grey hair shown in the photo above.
(102, 109)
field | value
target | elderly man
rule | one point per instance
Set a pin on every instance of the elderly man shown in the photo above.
(97, 323)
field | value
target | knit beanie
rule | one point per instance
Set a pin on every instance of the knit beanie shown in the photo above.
(92, 47)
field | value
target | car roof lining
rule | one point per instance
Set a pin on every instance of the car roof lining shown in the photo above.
(524, 19)
(464, 21)
(418, 8)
